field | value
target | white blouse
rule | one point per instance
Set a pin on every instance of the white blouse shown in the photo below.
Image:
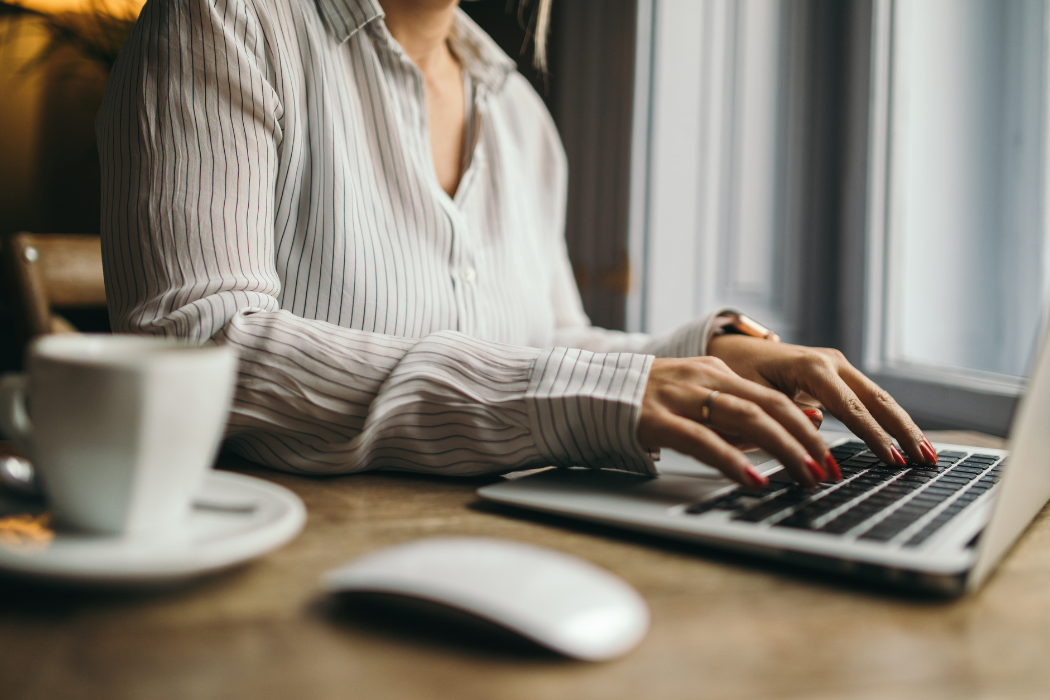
(268, 184)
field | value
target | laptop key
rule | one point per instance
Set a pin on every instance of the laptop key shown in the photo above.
(847, 450)
(891, 468)
(860, 512)
(921, 536)
(927, 497)
(848, 494)
(956, 507)
(798, 521)
(730, 501)
(879, 534)
(956, 485)
(805, 516)
(845, 522)
(840, 526)
(873, 477)
(773, 506)
(914, 507)
(897, 522)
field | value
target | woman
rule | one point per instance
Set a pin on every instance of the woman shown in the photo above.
(368, 202)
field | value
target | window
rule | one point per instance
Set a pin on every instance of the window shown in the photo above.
(717, 164)
(868, 175)
(957, 232)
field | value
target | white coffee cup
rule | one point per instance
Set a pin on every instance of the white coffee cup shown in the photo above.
(122, 429)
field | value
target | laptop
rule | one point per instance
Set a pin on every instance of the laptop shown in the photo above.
(940, 529)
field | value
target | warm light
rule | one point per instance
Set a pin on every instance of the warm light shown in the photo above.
(115, 7)
(26, 531)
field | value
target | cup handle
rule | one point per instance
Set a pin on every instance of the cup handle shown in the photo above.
(14, 419)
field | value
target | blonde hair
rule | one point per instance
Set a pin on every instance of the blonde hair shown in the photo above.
(536, 29)
(543, 22)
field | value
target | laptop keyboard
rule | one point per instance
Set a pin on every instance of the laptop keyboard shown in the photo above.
(875, 502)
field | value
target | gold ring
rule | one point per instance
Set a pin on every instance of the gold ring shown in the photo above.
(705, 408)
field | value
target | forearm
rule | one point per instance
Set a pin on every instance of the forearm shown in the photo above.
(318, 398)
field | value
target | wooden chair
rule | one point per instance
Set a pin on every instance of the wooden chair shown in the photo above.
(49, 272)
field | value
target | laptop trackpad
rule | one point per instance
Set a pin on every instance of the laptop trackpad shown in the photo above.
(580, 490)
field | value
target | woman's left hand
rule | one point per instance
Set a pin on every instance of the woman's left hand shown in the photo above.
(827, 376)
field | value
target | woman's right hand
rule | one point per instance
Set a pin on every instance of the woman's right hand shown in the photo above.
(743, 412)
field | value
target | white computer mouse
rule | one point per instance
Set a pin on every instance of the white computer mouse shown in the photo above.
(558, 601)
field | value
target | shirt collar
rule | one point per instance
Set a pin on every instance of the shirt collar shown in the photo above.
(483, 60)
(480, 56)
(345, 17)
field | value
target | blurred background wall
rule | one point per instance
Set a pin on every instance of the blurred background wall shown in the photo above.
(54, 59)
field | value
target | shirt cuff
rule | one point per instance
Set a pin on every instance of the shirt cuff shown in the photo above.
(584, 407)
(690, 339)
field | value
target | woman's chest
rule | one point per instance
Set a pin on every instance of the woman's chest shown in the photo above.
(366, 237)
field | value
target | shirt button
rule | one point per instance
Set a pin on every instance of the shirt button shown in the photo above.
(468, 274)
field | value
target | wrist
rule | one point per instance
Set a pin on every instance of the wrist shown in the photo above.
(731, 333)
(736, 323)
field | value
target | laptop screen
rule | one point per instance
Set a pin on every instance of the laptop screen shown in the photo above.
(1025, 486)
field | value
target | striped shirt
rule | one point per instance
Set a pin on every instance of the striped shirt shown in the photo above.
(268, 184)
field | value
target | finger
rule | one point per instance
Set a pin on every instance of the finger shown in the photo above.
(805, 399)
(841, 401)
(733, 415)
(811, 412)
(894, 419)
(705, 445)
(784, 411)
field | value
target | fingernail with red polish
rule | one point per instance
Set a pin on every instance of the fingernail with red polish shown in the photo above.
(812, 412)
(815, 468)
(833, 467)
(927, 452)
(927, 442)
(898, 458)
(755, 479)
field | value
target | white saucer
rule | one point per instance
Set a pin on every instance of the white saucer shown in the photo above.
(252, 517)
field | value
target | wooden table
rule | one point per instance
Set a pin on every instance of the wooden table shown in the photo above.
(723, 627)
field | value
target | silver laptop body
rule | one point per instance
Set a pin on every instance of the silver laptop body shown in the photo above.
(942, 530)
